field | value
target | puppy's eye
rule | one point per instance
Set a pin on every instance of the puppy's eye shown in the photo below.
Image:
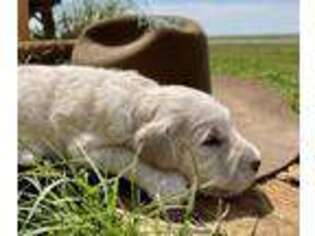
(212, 142)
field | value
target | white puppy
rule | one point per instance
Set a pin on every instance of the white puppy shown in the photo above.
(180, 135)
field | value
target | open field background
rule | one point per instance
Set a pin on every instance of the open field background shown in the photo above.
(272, 59)
(259, 39)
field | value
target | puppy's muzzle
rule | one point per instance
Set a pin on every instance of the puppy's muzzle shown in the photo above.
(253, 155)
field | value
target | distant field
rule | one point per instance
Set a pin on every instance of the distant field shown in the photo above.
(252, 39)
(276, 63)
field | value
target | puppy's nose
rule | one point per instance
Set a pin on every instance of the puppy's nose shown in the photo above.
(255, 164)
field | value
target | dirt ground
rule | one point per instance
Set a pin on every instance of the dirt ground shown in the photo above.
(265, 118)
(273, 212)
(272, 207)
(269, 209)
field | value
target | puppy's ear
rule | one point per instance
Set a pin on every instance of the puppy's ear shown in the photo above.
(156, 143)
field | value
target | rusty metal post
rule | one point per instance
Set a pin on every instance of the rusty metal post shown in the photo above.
(23, 15)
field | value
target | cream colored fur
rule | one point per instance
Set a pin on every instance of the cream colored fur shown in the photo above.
(180, 135)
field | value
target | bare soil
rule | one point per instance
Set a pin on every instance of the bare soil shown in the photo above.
(265, 118)
(272, 207)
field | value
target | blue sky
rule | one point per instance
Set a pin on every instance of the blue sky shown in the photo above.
(232, 17)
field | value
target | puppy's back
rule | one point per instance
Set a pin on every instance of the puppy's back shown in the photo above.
(51, 96)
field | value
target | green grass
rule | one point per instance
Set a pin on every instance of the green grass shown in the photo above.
(276, 64)
(266, 38)
(70, 206)
(58, 199)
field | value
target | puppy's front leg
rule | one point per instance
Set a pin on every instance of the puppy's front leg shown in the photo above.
(155, 182)
(167, 186)
(115, 160)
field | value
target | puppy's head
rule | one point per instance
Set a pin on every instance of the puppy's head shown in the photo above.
(193, 134)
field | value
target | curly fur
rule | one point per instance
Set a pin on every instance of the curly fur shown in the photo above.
(180, 135)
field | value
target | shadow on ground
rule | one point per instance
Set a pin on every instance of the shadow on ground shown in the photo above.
(252, 203)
